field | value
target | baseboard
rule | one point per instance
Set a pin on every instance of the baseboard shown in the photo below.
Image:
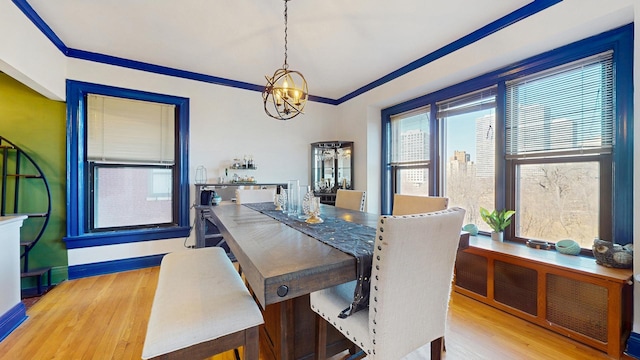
(633, 345)
(12, 319)
(113, 266)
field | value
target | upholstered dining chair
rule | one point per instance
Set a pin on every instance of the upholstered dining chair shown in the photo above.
(351, 199)
(247, 196)
(413, 204)
(410, 288)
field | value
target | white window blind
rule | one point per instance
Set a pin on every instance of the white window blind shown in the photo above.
(478, 100)
(566, 110)
(410, 137)
(129, 131)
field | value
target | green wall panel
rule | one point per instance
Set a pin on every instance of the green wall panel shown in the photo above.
(37, 125)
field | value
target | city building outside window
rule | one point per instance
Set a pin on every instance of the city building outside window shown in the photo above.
(467, 127)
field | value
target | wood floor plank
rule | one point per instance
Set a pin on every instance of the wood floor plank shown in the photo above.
(105, 317)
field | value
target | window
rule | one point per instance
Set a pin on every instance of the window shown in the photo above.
(410, 152)
(559, 139)
(467, 125)
(549, 137)
(128, 165)
(130, 147)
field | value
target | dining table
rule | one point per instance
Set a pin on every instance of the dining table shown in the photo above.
(282, 266)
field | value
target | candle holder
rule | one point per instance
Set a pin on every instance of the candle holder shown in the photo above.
(314, 211)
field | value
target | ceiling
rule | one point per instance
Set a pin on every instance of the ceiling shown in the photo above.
(340, 46)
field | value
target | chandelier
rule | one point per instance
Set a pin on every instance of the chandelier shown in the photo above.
(286, 92)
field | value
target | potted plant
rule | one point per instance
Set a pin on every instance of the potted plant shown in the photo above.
(497, 221)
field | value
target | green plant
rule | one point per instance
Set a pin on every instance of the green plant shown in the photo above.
(497, 220)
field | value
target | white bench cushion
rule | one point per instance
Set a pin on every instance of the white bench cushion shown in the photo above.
(200, 297)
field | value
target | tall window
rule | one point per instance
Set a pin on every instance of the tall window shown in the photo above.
(130, 150)
(548, 137)
(467, 125)
(127, 166)
(410, 158)
(559, 139)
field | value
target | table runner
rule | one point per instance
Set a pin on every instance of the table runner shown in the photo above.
(351, 238)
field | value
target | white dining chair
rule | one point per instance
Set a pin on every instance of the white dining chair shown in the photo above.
(411, 279)
(414, 204)
(351, 199)
(247, 196)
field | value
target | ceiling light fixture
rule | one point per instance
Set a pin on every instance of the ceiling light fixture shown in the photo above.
(286, 92)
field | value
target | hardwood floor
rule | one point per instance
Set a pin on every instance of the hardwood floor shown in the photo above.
(105, 317)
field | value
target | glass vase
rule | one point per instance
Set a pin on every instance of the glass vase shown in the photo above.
(293, 195)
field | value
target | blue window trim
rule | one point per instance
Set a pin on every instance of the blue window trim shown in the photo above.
(619, 40)
(78, 235)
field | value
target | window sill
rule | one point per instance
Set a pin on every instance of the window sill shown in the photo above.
(518, 252)
(124, 237)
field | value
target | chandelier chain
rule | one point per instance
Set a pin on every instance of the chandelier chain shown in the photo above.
(285, 66)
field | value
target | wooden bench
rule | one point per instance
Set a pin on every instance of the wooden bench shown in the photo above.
(201, 308)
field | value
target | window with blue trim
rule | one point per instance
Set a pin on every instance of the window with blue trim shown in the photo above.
(127, 165)
(549, 137)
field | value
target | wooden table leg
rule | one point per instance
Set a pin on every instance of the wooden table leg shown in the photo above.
(287, 330)
(321, 338)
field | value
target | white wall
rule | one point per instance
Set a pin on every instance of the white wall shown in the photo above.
(225, 123)
(28, 56)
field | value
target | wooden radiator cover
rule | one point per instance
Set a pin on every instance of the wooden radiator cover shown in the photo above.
(570, 295)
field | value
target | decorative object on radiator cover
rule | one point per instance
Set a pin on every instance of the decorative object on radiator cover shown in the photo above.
(612, 255)
(472, 229)
(497, 221)
(568, 247)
